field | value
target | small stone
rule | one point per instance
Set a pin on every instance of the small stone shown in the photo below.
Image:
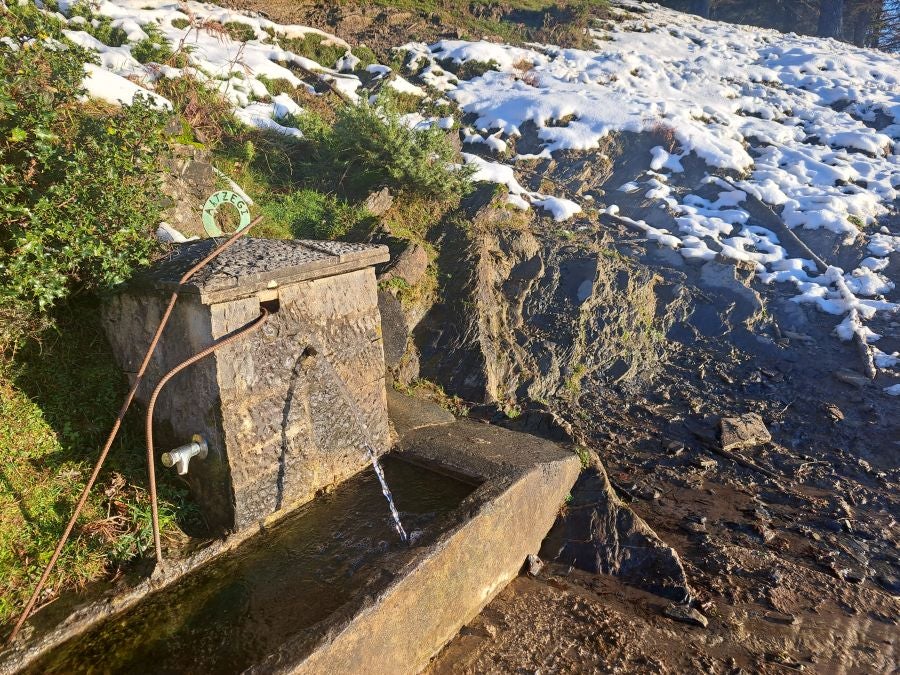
(851, 377)
(410, 266)
(686, 614)
(379, 202)
(675, 448)
(833, 412)
(695, 524)
(780, 617)
(746, 431)
(534, 565)
(705, 463)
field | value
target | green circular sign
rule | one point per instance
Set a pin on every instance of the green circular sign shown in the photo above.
(212, 205)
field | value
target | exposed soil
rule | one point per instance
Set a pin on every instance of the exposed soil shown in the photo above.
(791, 546)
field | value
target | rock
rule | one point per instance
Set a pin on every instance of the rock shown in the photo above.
(686, 614)
(780, 617)
(408, 369)
(694, 524)
(705, 463)
(379, 202)
(173, 126)
(675, 448)
(701, 427)
(746, 431)
(394, 330)
(534, 565)
(188, 180)
(851, 377)
(835, 413)
(199, 175)
(600, 534)
(410, 266)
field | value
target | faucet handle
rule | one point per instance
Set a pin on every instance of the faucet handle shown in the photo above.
(181, 456)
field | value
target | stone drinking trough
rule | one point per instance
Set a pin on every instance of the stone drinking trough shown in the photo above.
(309, 577)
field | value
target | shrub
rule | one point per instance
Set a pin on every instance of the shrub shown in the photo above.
(372, 147)
(203, 109)
(78, 203)
(180, 23)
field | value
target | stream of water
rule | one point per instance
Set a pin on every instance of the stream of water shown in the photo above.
(386, 491)
(368, 444)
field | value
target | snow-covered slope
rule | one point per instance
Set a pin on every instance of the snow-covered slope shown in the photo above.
(239, 69)
(808, 126)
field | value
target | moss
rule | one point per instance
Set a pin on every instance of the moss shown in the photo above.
(422, 388)
(316, 47)
(240, 31)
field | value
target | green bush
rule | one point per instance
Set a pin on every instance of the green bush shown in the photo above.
(78, 202)
(372, 147)
(308, 214)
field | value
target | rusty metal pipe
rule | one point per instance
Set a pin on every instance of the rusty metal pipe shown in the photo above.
(151, 464)
(126, 404)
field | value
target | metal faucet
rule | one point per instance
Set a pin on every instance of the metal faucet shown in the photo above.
(180, 457)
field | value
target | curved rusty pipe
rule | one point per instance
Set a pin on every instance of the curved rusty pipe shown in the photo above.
(151, 465)
(126, 404)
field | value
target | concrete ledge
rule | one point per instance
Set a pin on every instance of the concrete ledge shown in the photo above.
(443, 586)
(408, 414)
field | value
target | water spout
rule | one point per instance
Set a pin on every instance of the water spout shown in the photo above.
(367, 442)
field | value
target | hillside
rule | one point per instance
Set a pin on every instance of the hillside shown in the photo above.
(616, 225)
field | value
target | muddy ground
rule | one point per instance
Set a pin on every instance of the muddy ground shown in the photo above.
(791, 546)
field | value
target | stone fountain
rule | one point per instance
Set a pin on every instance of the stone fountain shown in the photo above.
(272, 432)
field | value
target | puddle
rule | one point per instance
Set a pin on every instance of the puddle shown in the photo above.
(230, 614)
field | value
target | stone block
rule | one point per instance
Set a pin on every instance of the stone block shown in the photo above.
(290, 409)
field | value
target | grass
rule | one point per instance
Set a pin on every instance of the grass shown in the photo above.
(421, 388)
(58, 400)
(316, 47)
(559, 22)
(308, 214)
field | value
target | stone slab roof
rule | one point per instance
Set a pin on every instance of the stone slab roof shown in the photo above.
(252, 265)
